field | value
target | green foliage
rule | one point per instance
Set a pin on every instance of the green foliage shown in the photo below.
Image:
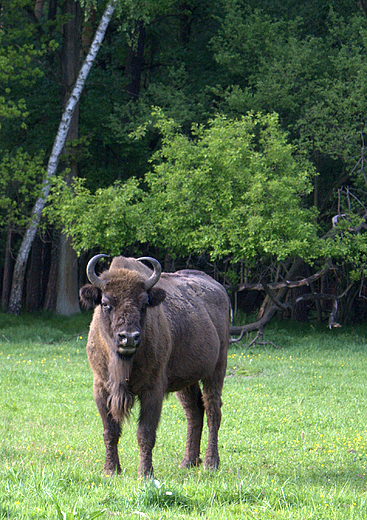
(314, 80)
(171, 94)
(109, 218)
(346, 244)
(244, 38)
(131, 12)
(231, 185)
(16, 65)
(315, 83)
(333, 121)
(236, 188)
(21, 179)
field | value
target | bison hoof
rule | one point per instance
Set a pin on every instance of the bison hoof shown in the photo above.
(146, 473)
(111, 470)
(188, 463)
(211, 463)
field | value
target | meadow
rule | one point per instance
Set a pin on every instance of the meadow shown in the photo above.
(293, 440)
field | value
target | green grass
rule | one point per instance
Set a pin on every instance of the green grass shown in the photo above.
(293, 440)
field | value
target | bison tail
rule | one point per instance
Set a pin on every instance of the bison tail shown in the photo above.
(120, 403)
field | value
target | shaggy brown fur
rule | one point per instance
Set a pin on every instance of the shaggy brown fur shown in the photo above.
(121, 400)
(144, 344)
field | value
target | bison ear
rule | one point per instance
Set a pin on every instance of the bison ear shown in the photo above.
(156, 296)
(90, 296)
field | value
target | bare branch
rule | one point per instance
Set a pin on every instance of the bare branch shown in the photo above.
(274, 299)
(282, 285)
(260, 324)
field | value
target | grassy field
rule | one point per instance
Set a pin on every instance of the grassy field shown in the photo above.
(293, 440)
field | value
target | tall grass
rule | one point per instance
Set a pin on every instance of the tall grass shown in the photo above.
(293, 440)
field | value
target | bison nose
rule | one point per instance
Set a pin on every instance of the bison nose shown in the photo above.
(131, 340)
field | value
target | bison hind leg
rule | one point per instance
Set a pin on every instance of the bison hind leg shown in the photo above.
(212, 403)
(192, 403)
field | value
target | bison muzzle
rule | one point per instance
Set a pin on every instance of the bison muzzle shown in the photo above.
(153, 333)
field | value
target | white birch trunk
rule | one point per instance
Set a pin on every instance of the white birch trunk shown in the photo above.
(15, 301)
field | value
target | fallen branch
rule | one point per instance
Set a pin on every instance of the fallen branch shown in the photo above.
(251, 327)
(286, 284)
(261, 342)
(260, 324)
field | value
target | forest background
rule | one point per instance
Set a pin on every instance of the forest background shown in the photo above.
(221, 135)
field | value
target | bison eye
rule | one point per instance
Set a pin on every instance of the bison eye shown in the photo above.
(106, 307)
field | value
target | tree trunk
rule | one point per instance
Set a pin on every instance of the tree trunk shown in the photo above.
(185, 22)
(15, 302)
(271, 307)
(299, 311)
(34, 278)
(38, 9)
(134, 63)
(51, 290)
(67, 300)
(8, 270)
(22, 258)
(346, 310)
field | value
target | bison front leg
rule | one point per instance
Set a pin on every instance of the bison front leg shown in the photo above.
(111, 431)
(150, 412)
(192, 402)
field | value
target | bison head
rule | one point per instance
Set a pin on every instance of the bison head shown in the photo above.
(124, 296)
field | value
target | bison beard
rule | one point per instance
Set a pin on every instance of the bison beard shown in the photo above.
(121, 400)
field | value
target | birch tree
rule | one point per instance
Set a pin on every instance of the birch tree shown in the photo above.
(15, 302)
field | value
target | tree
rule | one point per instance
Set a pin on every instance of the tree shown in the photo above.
(20, 179)
(266, 61)
(67, 297)
(314, 82)
(109, 218)
(15, 68)
(21, 171)
(20, 265)
(235, 189)
(42, 22)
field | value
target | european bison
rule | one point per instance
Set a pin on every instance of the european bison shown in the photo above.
(151, 334)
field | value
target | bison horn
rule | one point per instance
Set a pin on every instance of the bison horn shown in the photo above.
(91, 271)
(157, 269)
